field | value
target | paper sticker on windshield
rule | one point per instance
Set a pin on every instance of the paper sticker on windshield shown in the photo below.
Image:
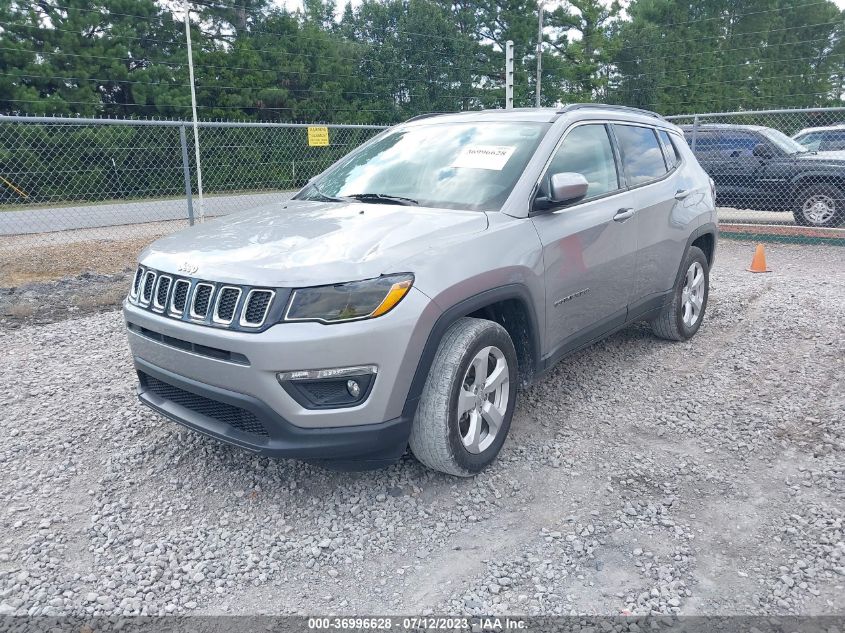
(493, 157)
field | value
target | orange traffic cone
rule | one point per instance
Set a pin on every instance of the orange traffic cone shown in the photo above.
(758, 264)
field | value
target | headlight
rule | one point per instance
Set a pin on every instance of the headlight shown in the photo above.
(346, 302)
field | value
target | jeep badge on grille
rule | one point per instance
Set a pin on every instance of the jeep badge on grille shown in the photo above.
(188, 268)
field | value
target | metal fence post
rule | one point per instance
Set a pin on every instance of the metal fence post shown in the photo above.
(186, 169)
(509, 75)
(694, 132)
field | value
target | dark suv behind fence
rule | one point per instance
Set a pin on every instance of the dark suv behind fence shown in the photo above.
(762, 169)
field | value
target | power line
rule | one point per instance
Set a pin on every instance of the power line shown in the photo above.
(463, 40)
(180, 64)
(745, 64)
(738, 15)
(743, 99)
(215, 86)
(47, 29)
(739, 35)
(215, 107)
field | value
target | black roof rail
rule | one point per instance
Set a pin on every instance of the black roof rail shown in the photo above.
(601, 106)
(424, 116)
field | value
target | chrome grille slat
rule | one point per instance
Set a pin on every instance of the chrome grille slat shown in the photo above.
(226, 304)
(201, 298)
(179, 298)
(256, 306)
(147, 287)
(162, 292)
(136, 282)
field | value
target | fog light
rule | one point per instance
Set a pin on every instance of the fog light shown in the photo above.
(353, 388)
(329, 388)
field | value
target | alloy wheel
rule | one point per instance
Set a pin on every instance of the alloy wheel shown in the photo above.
(692, 295)
(818, 209)
(483, 399)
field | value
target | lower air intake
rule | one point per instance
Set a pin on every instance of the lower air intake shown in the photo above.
(235, 417)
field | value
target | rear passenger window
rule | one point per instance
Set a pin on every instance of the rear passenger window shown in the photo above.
(587, 150)
(670, 152)
(642, 156)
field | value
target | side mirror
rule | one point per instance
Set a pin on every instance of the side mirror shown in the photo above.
(761, 150)
(564, 188)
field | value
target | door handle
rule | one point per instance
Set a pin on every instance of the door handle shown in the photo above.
(680, 194)
(623, 214)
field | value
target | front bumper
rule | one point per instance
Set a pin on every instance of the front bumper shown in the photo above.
(249, 423)
(238, 370)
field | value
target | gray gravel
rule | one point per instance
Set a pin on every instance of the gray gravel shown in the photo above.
(640, 477)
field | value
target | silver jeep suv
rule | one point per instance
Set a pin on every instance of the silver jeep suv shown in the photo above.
(406, 292)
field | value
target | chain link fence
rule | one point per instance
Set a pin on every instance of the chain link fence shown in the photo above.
(69, 183)
(779, 174)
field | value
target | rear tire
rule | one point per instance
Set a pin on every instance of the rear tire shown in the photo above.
(681, 317)
(466, 408)
(819, 205)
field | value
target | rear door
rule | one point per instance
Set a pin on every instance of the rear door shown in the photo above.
(588, 247)
(662, 191)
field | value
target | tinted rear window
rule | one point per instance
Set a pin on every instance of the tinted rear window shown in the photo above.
(642, 155)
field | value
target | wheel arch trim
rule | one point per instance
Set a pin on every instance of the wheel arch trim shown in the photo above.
(806, 179)
(515, 291)
(708, 228)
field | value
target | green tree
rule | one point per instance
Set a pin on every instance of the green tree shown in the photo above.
(584, 46)
(681, 56)
(83, 57)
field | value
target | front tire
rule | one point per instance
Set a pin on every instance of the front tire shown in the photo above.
(819, 205)
(465, 411)
(681, 317)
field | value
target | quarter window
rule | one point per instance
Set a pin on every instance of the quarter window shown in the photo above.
(641, 153)
(587, 150)
(670, 152)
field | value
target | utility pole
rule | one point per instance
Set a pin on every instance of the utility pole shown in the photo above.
(187, 8)
(539, 50)
(509, 75)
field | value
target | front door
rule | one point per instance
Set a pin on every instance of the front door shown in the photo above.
(589, 247)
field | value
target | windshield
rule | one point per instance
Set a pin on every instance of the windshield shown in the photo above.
(810, 140)
(470, 166)
(782, 141)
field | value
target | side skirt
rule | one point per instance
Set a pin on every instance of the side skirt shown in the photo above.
(643, 310)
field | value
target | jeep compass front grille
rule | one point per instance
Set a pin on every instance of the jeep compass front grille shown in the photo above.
(202, 302)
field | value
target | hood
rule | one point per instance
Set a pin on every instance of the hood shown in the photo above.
(302, 243)
(830, 158)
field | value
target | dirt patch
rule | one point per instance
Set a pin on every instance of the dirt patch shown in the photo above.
(54, 262)
(48, 301)
(53, 276)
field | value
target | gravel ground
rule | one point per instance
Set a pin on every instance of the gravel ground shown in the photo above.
(641, 476)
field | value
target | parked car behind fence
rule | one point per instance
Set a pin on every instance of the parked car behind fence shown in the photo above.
(761, 168)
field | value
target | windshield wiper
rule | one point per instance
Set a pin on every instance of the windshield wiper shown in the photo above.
(327, 197)
(383, 198)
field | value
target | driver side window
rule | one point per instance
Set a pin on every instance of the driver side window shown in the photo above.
(586, 150)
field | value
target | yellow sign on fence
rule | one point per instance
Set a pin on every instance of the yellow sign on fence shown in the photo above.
(318, 136)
